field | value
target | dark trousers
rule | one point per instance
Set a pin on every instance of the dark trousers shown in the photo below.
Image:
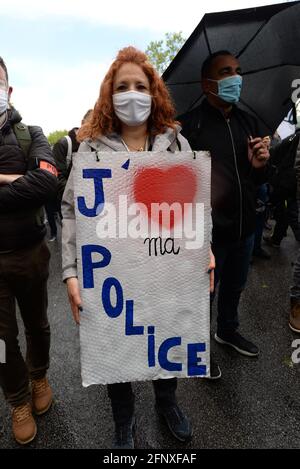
(122, 397)
(232, 265)
(286, 214)
(295, 288)
(23, 277)
(51, 211)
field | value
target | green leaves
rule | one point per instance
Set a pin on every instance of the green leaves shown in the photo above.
(56, 135)
(161, 53)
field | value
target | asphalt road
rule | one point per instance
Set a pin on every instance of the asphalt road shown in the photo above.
(256, 403)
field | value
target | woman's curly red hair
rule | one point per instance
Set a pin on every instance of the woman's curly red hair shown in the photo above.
(104, 121)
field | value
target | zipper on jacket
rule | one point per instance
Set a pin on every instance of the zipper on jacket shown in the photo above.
(238, 175)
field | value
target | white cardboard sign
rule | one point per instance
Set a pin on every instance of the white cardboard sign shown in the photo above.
(143, 271)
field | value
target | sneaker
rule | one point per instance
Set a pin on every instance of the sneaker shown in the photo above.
(261, 254)
(215, 370)
(178, 423)
(124, 435)
(270, 241)
(294, 322)
(23, 424)
(41, 395)
(236, 341)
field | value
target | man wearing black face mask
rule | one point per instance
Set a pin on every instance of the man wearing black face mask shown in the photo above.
(238, 158)
(27, 182)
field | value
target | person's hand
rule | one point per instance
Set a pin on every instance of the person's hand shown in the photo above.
(258, 152)
(74, 297)
(211, 271)
(8, 178)
(267, 141)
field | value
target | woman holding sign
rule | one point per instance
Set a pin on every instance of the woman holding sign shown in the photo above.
(133, 113)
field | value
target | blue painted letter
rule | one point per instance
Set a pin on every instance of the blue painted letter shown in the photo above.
(194, 369)
(97, 175)
(163, 354)
(88, 265)
(112, 311)
(130, 329)
(151, 346)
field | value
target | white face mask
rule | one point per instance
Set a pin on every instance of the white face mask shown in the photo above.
(3, 101)
(132, 107)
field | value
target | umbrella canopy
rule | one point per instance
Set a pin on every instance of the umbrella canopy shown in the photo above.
(266, 42)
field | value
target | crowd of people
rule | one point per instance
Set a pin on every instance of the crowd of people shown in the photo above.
(254, 178)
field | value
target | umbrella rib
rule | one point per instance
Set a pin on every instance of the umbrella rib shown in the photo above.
(259, 30)
(269, 68)
(206, 37)
(195, 102)
(252, 39)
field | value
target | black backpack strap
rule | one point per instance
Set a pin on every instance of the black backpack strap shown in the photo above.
(23, 137)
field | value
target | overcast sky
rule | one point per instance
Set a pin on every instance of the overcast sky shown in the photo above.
(57, 51)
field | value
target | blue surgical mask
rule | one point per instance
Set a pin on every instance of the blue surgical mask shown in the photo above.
(229, 89)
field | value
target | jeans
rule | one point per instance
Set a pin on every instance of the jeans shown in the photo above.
(286, 214)
(23, 277)
(232, 265)
(122, 397)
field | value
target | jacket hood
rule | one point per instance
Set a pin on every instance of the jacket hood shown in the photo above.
(72, 133)
(13, 116)
(114, 142)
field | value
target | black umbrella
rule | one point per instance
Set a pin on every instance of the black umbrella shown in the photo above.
(266, 41)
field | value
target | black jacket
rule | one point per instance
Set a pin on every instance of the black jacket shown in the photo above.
(60, 151)
(233, 179)
(284, 178)
(20, 225)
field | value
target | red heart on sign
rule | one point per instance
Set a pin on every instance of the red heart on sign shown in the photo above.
(170, 185)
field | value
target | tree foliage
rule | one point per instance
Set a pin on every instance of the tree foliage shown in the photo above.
(53, 137)
(161, 53)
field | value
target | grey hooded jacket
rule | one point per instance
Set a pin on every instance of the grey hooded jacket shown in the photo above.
(171, 140)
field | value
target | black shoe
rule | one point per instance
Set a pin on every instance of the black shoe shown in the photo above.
(261, 254)
(124, 435)
(241, 345)
(215, 370)
(178, 423)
